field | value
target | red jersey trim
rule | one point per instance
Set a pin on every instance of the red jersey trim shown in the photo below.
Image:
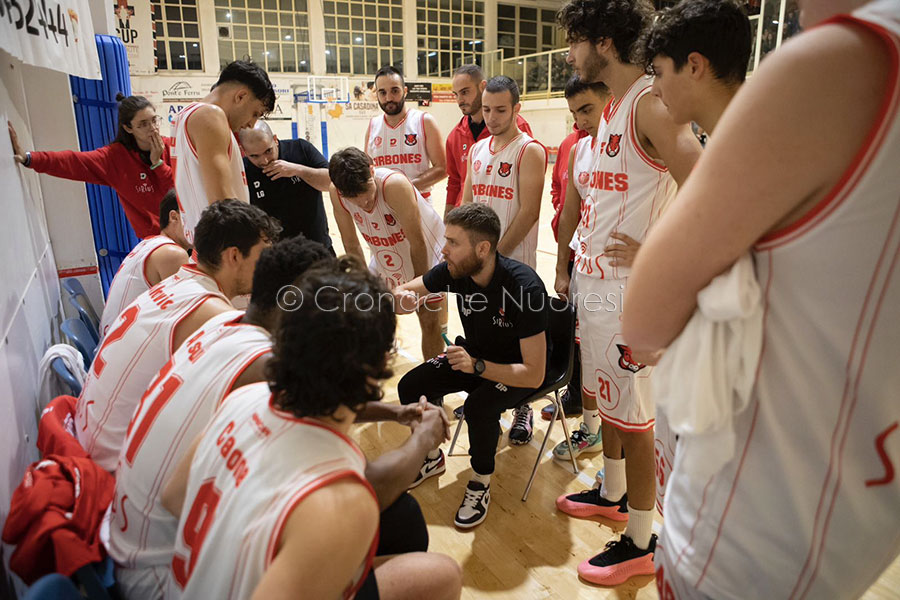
(146, 258)
(299, 496)
(624, 425)
(424, 135)
(388, 125)
(283, 414)
(632, 134)
(615, 103)
(187, 135)
(241, 370)
(491, 140)
(869, 150)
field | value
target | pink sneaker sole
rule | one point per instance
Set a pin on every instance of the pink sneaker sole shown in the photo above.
(616, 574)
(583, 510)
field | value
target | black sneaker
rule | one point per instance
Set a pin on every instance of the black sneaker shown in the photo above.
(621, 561)
(430, 468)
(570, 409)
(521, 431)
(474, 507)
(591, 504)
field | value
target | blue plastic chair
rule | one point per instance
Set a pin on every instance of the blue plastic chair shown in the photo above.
(60, 368)
(86, 315)
(73, 286)
(78, 332)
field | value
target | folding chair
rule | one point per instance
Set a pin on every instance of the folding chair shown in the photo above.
(78, 332)
(559, 373)
(86, 315)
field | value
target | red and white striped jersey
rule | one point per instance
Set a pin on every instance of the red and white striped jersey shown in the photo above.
(137, 346)
(130, 280)
(810, 500)
(253, 466)
(495, 182)
(401, 148)
(626, 190)
(176, 408)
(192, 195)
(387, 241)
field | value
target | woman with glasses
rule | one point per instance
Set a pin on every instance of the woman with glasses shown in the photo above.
(136, 164)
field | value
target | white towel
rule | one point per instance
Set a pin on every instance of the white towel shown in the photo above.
(50, 384)
(706, 376)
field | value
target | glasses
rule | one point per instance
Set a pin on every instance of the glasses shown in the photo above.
(147, 124)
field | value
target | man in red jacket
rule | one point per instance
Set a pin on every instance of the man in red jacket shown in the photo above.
(468, 84)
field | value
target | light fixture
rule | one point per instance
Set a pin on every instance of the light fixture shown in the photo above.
(182, 56)
(432, 54)
(302, 62)
(227, 15)
(266, 52)
(287, 37)
(359, 39)
(195, 45)
(775, 22)
(328, 52)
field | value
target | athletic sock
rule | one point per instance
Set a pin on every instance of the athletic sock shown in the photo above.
(640, 526)
(592, 420)
(614, 486)
(482, 479)
(434, 454)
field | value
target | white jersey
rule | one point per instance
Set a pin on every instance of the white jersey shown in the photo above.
(624, 189)
(176, 408)
(401, 148)
(130, 280)
(808, 507)
(495, 182)
(254, 464)
(388, 244)
(138, 345)
(192, 195)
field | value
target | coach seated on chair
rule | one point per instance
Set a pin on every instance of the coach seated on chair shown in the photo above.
(504, 311)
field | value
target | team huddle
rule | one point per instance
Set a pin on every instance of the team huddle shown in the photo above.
(228, 430)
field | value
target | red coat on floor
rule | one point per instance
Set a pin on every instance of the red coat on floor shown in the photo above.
(54, 519)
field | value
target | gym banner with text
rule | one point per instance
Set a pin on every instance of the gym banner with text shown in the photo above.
(56, 34)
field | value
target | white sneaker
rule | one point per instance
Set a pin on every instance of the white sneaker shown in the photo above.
(430, 468)
(474, 507)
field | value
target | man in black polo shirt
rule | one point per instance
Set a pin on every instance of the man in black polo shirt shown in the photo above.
(286, 179)
(504, 311)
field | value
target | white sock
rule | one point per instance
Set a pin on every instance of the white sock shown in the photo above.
(613, 487)
(482, 479)
(592, 420)
(640, 526)
(434, 454)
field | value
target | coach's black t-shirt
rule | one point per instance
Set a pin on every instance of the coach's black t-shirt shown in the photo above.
(513, 306)
(291, 200)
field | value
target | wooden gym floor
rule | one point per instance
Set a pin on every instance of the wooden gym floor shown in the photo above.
(523, 550)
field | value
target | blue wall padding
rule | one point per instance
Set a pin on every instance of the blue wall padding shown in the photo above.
(96, 115)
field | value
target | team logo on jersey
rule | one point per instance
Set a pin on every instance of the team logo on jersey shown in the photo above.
(625, 360)
(505, 169)
(390, 220)
(583, 178)
(375, 225)
(411, 139)
(358, 218)
(476, 166)
(393, 142)
(613, 147)
(377, 141)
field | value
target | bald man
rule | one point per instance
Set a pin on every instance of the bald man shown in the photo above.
(286, 179)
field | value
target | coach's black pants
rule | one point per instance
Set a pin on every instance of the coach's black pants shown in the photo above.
(486, 402)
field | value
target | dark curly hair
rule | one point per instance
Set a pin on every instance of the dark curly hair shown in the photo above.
(334, 349)
(622, 21)
(229, 223)
(281, 264)
(717, 29)
(250, 74)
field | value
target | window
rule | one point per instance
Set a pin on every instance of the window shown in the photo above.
(525, 30)
(177, 35)
(273, 33)
(361, 36)
(449, 33)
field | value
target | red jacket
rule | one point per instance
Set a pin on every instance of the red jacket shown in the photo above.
(55, 514)
(56, 429)
(139, 187)
(458, 144)
(560, 179)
